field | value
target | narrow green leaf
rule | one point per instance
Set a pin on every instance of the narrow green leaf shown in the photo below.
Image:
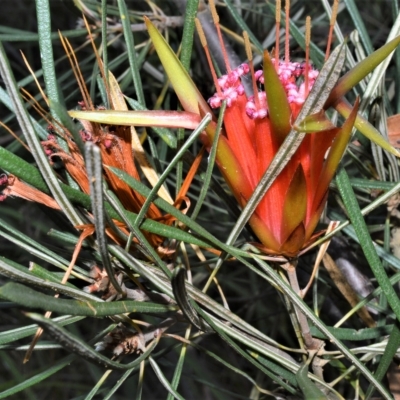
(278, 105)
(159, 202)
(366, 128)
(54, 95)
(181, 297)
(354, 12)
(360, 71)
(318, 122)
(259, 345)
(390, 258)
(211, 162)
(13, 335)
(242, 24)
(158, 278)
(191, 8)
(309, 389)
(387, 357)
(121, 380)
(378, 75)
(295, 299)
(23, 170)
(148, 224)
(163, 380)
(102, 89)
(44, 274)
(94, 168)
(353, 334)
(243, 353)
(135, 232)
(270, 351)
(20, 274)
(27, 243)
(169, 119)
(46, 49)
(6, 100)
(335, 154)
(361, 229)
(78, 346)
(34, 37)
(104, 54)
(37, 378)
(98, 385)
(163, 205)
(163, 283)
(20, 168)
(30, 298)
(65, 120)
(284, 373)
(130, 44)
(367, 184)
(179, 364)
(187, 92)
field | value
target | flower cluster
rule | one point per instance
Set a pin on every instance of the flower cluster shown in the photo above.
(290, 74)
(287, 215)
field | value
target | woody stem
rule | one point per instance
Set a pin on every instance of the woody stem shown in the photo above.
(309, 341)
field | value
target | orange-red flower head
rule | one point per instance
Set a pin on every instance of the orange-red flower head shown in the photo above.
(287, 215)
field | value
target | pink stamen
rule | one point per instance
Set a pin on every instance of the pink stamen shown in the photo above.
(256, 106)
(230, 87)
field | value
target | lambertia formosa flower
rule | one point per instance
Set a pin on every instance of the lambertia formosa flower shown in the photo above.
(286, 217)
(256, 125)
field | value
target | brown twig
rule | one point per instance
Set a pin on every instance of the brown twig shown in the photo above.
(312, 345)
(332, 226)
(310, 342)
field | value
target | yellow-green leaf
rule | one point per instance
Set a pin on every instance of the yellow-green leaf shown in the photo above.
(360, 71)
(315, 123)
(186, 90)
(168, 119)
(344, 108)
(278, 105)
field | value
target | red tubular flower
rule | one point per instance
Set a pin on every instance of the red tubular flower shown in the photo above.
(286, 217)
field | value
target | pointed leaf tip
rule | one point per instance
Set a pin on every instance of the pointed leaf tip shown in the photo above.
(312, 123)
(278, 105)
(367, 129)
(360, 71)
(187, 92)
(151, 118)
